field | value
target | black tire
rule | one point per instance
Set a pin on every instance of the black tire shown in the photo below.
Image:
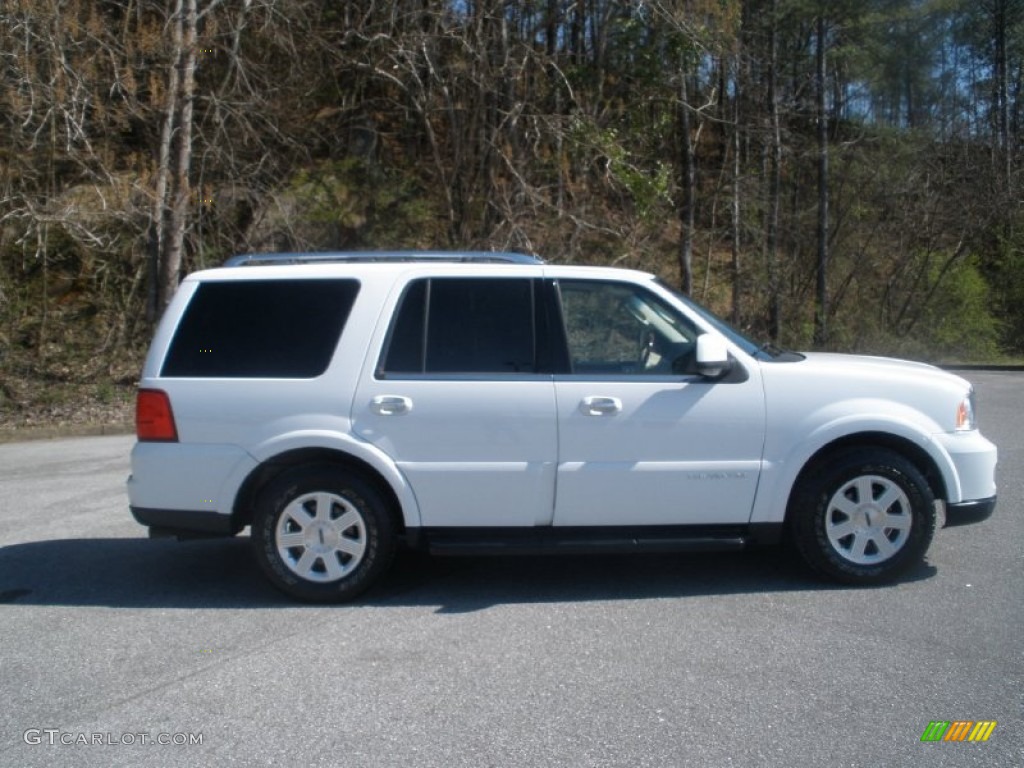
(342, 532)
(863, 517)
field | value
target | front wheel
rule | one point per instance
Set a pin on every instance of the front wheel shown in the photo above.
(863, 517)
(322, 534)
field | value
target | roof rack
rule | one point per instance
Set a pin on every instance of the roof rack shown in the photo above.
(477, 257)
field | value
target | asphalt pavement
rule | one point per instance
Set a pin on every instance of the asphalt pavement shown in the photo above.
(117, 650)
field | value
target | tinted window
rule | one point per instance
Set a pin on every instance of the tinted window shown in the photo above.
(618, 328)
(262, 328)
(464, 325)
(408, 334)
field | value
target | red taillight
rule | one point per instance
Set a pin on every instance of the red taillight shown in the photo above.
(154, 419)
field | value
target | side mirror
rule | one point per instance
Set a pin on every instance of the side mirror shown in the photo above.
(713, 360)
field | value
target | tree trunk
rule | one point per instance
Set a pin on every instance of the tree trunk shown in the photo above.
(158, 218)
(1001, 78)
(735, 208)
(821, 292)
(774, 185)
(172, 192)
(185, 45)
(689, 188)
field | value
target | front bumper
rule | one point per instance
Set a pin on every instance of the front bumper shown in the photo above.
(973, 480)
(968, 512)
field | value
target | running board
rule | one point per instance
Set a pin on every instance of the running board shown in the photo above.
(572, 541)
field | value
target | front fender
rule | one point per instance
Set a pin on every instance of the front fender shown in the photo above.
(787, 454)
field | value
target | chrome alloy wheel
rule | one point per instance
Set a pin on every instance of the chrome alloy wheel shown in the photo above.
(868, 520)
(321, 537)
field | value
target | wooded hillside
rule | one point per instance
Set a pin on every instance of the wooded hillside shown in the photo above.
(838, 174)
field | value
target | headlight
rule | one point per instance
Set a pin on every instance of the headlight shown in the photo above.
(965, 414)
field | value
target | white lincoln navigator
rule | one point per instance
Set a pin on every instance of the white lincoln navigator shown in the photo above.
(343, 404)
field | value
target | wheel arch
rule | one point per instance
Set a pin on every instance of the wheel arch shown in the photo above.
(267, 470)
(908, 449)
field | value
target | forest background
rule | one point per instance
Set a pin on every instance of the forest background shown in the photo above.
(834, 175)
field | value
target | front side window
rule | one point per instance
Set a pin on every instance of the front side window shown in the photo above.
(619, 328)
(284, 329)
(464, 326)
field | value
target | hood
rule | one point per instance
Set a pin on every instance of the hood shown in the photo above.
(881, 369)
(869, 361)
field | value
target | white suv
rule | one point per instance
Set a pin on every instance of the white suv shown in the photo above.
(344, 404)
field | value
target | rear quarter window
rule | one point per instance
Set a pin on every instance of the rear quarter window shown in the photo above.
(260, 329)
(464, 326)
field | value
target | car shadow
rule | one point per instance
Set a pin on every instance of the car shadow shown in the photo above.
(221, 573)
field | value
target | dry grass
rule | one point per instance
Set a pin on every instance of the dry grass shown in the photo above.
(51, 399)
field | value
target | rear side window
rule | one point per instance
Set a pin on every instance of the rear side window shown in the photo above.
(464, 326)
(285, 329)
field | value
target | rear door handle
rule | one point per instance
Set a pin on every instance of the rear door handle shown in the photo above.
(390, 405)
(600, 406)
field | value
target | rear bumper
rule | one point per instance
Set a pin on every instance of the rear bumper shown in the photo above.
(201, 477)
(968, 512)
(184, 523)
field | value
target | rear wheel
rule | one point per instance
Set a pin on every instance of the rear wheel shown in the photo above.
(322, 533)
(863, 517)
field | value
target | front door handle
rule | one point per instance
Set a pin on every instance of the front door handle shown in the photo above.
(390, 405)
(600, 406)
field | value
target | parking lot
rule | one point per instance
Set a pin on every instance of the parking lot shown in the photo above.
(116, 649)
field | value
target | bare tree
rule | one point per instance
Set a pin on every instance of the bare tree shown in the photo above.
(172, 190)
(774, 181)
(735, 197)
(688, 185)
(821, 115)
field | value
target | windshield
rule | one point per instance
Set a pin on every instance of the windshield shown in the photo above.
(748, 345)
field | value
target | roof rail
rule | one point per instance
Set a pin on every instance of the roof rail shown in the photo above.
(479, 257)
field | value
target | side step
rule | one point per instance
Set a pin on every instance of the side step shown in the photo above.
(571, 541)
